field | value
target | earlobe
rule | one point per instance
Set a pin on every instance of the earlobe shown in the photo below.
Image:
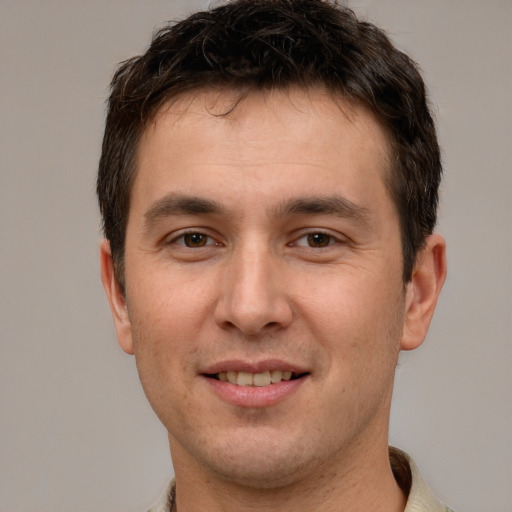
(115, 298)
(423, 291)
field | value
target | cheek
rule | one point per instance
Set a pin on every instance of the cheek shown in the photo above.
(358, 321)
(163, 354)
(166, 317)
(166, 302)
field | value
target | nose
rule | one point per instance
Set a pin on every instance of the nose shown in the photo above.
(253, 297)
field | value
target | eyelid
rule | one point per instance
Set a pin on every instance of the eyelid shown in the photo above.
(174, 238)
(336, 238)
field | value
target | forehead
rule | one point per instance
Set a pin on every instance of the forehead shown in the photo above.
(290, 136)
(244, 108)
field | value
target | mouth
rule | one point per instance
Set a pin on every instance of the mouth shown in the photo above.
(260, 379)
(255, 384)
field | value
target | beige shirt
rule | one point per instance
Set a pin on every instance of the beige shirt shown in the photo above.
(420, 497)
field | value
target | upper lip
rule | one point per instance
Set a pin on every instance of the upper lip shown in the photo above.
(238, 365)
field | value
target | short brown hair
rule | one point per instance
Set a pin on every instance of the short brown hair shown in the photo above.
(249, 45)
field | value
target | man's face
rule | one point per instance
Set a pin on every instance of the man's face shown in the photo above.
(263, 243)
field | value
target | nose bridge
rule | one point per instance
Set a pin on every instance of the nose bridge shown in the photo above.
(252, 298)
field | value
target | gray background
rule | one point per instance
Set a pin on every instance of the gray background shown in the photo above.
(75, 430)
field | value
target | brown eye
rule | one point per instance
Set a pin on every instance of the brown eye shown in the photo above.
(195, 240)
(319, 240)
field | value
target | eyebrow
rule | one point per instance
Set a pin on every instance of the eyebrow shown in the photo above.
(177, 204)
(173, 204)
(331, 205)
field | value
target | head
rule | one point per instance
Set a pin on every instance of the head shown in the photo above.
(267, 45)
(268, 185)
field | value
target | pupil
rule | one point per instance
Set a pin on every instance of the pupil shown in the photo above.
(195, 240)
(318, 240)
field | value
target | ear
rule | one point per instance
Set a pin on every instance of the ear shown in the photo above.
(115, 298)
(423, 291)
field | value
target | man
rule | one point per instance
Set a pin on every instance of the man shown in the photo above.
(268, 186)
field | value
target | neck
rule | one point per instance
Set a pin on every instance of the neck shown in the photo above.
(360, 484)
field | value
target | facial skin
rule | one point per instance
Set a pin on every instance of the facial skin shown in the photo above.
(265, 240)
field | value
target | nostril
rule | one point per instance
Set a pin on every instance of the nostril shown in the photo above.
(253, 313)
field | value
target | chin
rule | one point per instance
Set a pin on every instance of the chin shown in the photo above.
(271, 475)
(261, 465)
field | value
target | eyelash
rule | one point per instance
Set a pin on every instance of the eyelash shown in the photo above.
(182, 237)
(331, 240)
(324, 240)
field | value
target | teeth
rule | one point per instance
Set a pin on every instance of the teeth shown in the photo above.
(262, 379)
(244, 379)
(276, 375)
(254, 379)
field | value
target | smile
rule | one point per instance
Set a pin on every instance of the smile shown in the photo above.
(260, 379)
(256, 388)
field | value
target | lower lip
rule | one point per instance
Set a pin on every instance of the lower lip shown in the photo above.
(254, 396)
